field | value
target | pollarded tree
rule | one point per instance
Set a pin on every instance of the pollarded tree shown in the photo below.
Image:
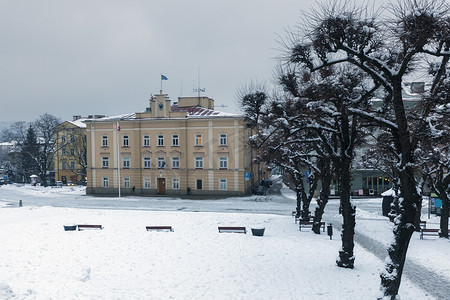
(324, 101)
(386, 49)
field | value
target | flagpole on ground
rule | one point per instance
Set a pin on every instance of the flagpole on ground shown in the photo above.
(118, 156)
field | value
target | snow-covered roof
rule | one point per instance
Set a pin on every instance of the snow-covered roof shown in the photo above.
(198, 111)
(79, 123)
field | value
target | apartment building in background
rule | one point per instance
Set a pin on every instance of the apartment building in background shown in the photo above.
(184, 148)
(70, 145)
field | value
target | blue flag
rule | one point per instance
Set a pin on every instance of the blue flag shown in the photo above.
(163, 77)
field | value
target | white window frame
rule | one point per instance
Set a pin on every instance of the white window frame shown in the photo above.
(175, 162)
(176, 183)
(63, 151)
(175, 140)
(126, 141)
(126, 162)
(198, 162)
(147, 183)
(105, 182)
(126, 182)
(105, 162)
(104, 141)
(72, 152)
(161, 162)
(198, 139)
(147, 162)
(63, 138)
(160, 140)
(223, 139)
(223, 162)
(63, 165)
(72, 165)
(146, 140)
(223, 184)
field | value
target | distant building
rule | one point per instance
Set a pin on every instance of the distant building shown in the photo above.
(70, 143)
(187, 148)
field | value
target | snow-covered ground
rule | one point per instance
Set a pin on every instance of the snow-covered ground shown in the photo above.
(39, 260)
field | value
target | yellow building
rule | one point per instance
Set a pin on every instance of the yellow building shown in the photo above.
(186, 148)
(70, 155)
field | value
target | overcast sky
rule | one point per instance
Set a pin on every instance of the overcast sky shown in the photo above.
(105, 57)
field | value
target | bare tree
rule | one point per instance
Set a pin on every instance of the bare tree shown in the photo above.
(386, 49)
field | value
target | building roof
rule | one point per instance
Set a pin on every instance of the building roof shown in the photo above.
(198, 111)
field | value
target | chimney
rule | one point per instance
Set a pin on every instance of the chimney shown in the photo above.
(76, 118)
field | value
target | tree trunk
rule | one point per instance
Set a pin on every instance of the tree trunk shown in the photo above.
(346, 258)
(406, 223)
(444, 215)
(321, 203)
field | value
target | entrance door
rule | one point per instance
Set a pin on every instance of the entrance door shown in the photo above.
(161, 186)
(199, 184)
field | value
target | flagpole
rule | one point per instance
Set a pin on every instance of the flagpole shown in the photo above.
(161, 83)
(118, 156)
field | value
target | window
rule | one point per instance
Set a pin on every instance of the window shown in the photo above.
(175, 162)
(198, 140)
(199, 184)
(72, 138)
(105, 162)
(161, 163)
(175, 140)
(222, 184)
(223, 162)
(126, 182)
(63, 138)
(72, 152)
(160, 140)
(104, 141)
(105, 182)
(199, 162)
(125, 141)
(146, 141)
(72, 165)
(147, 162)
(126, 162)
(176, 183)
(64, 165)
(147, 183)
(63, 151)
(223, 139)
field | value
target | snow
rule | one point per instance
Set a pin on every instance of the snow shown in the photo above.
(39, 260)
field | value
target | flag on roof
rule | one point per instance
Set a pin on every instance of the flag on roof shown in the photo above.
(118, 126)
(163, 77)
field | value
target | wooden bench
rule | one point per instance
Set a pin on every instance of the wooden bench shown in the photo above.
(84, 227)
(294, 212)
(159, 228)
(297, 218)
(310, 225)
(232, 229)
(429, 231)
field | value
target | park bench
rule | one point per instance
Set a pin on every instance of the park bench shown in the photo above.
(310, 225)
(85, 226)
(159, 228)
(297, 218)
(232, 229)
(429, 231)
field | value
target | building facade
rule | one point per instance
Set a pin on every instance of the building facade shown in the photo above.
(187, 148)
(71, 151)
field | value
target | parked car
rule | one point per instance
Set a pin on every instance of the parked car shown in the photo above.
(59, 184)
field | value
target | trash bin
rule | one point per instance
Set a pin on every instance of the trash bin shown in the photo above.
(258, 231)
(70, 227)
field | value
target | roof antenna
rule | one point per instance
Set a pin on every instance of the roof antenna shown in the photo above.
(198, 89)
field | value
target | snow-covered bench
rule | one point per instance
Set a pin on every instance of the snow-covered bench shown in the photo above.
(310, 225)
(159, 228)
(233, 229)
(429, 231)
(85, 226)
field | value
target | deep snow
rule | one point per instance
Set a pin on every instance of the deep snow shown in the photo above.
(39, 260)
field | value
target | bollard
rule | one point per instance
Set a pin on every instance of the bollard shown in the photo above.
(20, 203)
(330, 230)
